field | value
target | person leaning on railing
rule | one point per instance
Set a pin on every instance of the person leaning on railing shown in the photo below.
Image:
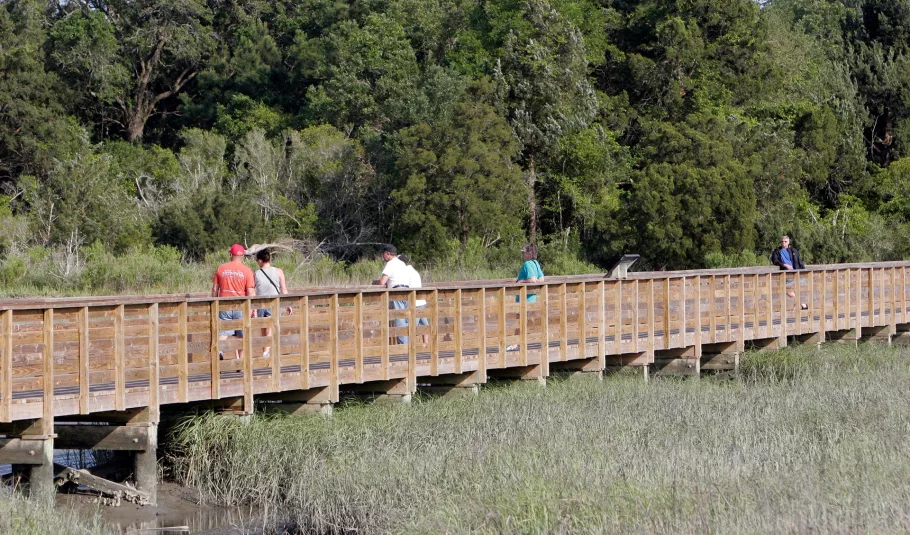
(530, 272)
(395, 275)
(787, 258)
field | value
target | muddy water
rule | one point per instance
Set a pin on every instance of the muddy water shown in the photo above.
(176, 509)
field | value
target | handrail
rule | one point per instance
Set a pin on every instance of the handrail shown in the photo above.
(78, 355)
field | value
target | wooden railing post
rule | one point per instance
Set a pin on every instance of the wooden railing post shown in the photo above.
(412, 340)
(782, 337)
(545, 335)
(214, 346)
(304, 321)
(502, 327)
(563, 322)
(358, 337)
(276, 344)
(247, 357)
(334, 344)
(459, 327)
(582, 320)
(636, 312)
(119, 365)
(617, 339)
(183, 364)
(712, 309)
(650, 308)
(667, 300)
(698, 314)
(84, 365)
(6, 367)
(482, 350)
(153, 363)
(728, 321)
(384, 334)
(602, 320)
(434, 334)
(48, 357)
(523, 325)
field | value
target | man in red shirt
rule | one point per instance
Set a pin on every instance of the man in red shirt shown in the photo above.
(233, 279)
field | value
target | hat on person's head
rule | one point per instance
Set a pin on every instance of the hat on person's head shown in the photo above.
(237, 250)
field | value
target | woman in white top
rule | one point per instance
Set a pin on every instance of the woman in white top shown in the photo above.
(270, 281)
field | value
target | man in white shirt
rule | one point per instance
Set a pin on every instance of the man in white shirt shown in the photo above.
(414, 281)
(395, 275)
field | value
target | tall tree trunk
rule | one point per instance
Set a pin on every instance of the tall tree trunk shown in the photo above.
(532, 200)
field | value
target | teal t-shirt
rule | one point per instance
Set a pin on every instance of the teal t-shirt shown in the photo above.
(529, 269)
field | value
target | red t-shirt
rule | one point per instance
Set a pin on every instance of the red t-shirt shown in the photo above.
(233, 278)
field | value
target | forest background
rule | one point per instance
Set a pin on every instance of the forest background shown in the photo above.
(152, 134)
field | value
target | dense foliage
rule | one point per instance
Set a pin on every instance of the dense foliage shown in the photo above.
(694, 132)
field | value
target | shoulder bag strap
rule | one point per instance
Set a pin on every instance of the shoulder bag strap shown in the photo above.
(277, 289)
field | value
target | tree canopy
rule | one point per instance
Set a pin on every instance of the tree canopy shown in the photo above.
(682, 130)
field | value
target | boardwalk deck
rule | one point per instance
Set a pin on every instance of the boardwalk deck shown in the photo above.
(75, 357)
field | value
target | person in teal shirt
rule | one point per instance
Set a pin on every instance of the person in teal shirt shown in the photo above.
(530, 269)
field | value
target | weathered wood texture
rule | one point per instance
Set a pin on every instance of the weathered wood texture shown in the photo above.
(79, 356)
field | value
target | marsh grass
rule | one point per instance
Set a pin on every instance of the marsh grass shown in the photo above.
(21, 516)
(808, 440)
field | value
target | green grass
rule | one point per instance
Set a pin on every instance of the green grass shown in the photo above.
(807, 441)
(21, 516)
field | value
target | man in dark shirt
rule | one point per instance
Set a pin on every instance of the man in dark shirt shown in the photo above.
(787, 258)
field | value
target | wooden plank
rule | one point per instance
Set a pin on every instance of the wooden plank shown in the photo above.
(602, 320)
(581, 290)
(101, 437)
(48, 377)
(523, 325)
(214, 350)
(823, 323)
(742, 311)
(903, 295)
(247, 344)
(304, 322)
(384, 334)
(276, 343)
(811, 303)
(563, 322)
(459, 327)
(6, 367)
(482, 350)
(358, 337)
(434, 335)
(153, 364)
(183, 385)
(83, 361)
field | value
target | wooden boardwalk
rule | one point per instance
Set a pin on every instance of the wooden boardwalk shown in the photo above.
(94, 359)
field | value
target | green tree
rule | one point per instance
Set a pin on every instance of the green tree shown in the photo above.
(128, 58)
(461, 181)
(543, 89)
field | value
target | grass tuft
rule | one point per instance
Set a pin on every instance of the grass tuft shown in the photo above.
(808, 440)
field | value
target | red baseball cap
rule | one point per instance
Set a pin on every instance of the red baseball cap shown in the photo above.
(237, 250)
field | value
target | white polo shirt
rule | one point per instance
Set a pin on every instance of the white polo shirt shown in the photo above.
(415, 282)
(397, 271)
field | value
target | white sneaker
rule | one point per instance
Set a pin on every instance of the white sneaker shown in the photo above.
(266, 354)
(512, 348)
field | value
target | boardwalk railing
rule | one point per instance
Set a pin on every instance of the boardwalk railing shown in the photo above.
(63, 357)
(94, 372)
